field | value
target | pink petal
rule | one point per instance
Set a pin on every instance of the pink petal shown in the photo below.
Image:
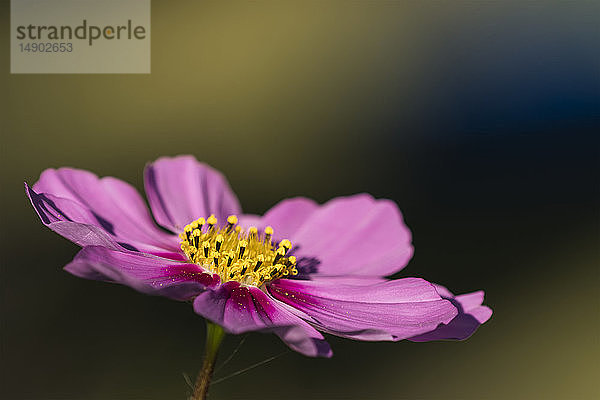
(145, 273)
(181, 189)
(248, 220)
(242, 308)
(391, 310)
(354, 235)
(286, 217)
(116, 206)
(71, 220)
(471, 314)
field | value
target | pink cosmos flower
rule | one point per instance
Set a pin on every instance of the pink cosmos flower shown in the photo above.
(299, 269)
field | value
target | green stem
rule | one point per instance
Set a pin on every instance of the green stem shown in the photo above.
(214, 337)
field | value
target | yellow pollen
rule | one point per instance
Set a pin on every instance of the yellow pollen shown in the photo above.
(206, 247)
(219, 242)
(286, 244)
(212, 220)
(243, 255)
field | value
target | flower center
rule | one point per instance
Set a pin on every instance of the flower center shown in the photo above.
(246, 256)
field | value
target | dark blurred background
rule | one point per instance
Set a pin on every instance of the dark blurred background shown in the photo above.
(480, 119)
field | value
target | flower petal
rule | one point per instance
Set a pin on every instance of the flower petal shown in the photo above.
(391, 310)
(471, 314)
(248, 220)
(355, 235)
(242, 308)
(181, 189)
(116, 206)
(286, 217)
(71, 220)
(145, 273)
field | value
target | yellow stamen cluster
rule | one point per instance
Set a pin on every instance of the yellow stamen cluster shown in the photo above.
(236, 254)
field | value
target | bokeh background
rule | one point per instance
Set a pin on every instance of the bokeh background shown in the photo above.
(480, 119)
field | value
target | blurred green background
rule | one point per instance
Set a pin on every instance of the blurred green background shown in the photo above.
(480, 119)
